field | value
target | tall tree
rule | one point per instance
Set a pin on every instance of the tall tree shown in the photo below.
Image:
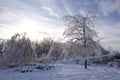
(80, 28)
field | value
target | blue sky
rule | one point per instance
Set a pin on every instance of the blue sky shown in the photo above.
(43, 18)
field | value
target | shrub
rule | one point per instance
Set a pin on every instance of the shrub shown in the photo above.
(105, 59)
(17, 51)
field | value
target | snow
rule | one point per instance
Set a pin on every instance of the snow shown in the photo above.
(63, 72)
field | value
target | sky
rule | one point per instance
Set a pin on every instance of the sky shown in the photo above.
(43, 18)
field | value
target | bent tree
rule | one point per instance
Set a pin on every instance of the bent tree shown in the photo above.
(81, 29)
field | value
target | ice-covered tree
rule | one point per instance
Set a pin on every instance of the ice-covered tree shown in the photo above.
(43, 47)
(81, 29)
(1, 45)
(18, 50)
(56, 51)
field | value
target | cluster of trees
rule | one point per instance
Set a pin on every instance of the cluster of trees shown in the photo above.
(43, 47)
(20, 50)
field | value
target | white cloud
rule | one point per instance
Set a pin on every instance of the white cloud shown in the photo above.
(67, 7)
(84, 3)
(5, 13)
(108, 6)
(50, 11)
(111, 34)
(112, 42)
(83, 12)
(53, 4)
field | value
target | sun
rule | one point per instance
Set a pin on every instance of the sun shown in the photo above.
(34, 29)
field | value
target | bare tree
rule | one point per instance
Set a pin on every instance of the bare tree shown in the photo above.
(81, 29)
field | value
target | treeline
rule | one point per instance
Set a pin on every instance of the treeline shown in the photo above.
(19, 50)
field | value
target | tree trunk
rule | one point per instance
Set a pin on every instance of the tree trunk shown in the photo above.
(84, 34)
(85, 63)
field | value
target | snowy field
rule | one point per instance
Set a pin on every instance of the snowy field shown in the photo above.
(64, 72)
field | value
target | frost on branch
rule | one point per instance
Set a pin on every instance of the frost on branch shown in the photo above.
(80, 29)
(19, 50)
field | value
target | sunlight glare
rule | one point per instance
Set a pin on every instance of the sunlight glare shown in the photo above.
(32, 28)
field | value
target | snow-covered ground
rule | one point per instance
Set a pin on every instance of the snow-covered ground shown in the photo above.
(64, 72)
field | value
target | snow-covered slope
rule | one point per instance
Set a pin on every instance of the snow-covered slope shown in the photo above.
(64, 72)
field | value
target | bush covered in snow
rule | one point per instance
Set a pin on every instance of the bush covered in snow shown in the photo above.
(110, 59)
(18, 50)
(34, 67)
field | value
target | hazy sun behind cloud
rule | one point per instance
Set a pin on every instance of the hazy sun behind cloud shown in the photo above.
(36, 30)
